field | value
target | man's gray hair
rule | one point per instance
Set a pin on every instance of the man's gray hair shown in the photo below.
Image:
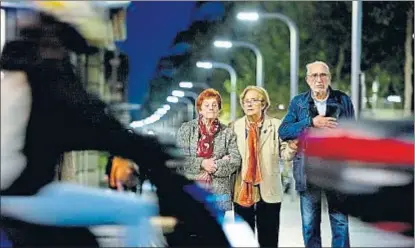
(317, 63)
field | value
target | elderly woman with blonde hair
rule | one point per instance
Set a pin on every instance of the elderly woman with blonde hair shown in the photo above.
(258, 188)
(209, 147)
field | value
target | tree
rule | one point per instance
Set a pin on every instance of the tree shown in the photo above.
(325, 34)
(385, 55)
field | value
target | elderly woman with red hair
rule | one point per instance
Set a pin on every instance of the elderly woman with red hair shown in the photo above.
(210, 148)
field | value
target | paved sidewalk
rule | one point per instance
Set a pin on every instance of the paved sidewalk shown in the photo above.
(361, 234)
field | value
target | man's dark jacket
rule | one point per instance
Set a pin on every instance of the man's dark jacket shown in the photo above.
(299, 118)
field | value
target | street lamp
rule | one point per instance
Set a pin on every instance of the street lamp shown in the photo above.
(356, 53)
(259, 58)
(180, 93)
(294, 42)
(177, 93)
(232, 73)
(166, 107)
(204, 65)
(190, 85)
(190, 107)
(161, 112)
(172, 99)
(248, 16)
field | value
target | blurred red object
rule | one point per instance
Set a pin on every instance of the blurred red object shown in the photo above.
(341, 144)
(371, 165)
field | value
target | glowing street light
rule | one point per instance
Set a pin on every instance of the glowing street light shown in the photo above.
(161, 111)
(248, 16)
(190, 85)
(223, 43)
(294, 42)
(259, 59)
(177, 93)
(204, 65)
(186, 85)
(181, 93)
(172, 99)
(232, 73)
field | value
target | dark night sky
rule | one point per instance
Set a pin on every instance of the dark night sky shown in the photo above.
(151, 29)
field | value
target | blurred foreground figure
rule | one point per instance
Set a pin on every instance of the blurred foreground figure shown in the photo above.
(371, 164)
(45, 112)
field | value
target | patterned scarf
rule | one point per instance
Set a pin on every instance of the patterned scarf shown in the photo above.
(252, 176)
(205, 147)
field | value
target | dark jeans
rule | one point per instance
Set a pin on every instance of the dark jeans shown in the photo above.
(310, 201)
(185, 237)
(267, 221)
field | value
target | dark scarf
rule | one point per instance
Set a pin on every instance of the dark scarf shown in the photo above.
(205, 147)
(206, 137)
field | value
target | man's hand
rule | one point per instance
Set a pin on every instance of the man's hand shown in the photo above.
(324, 122)
(120, 173)
(293, 144)
(209, 165)
(227, 157)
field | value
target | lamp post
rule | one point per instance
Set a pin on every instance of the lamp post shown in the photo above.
(232, 73)
(294, 42)
(181, 93)
(259, 58)
(356, 53)
(190, 107)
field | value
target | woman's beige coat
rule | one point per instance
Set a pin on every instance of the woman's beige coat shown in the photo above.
(270, 189)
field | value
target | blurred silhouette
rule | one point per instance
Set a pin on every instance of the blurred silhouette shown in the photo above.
(61, 117)
(371, 165)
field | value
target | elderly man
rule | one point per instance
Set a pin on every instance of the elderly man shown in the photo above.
(320, 107)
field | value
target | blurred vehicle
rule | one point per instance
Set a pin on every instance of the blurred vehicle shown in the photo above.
(370, 164)
(127, 219)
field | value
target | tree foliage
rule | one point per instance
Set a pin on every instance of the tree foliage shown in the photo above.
(325, 34)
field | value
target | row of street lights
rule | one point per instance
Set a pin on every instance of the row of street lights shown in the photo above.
(160, 112)
(175, 97)
(243, 16)
(227, 44)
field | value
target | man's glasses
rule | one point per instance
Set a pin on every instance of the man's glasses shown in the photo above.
(314, 76)
(252, 101)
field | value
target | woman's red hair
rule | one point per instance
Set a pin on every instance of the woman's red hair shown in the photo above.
(207, 94)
